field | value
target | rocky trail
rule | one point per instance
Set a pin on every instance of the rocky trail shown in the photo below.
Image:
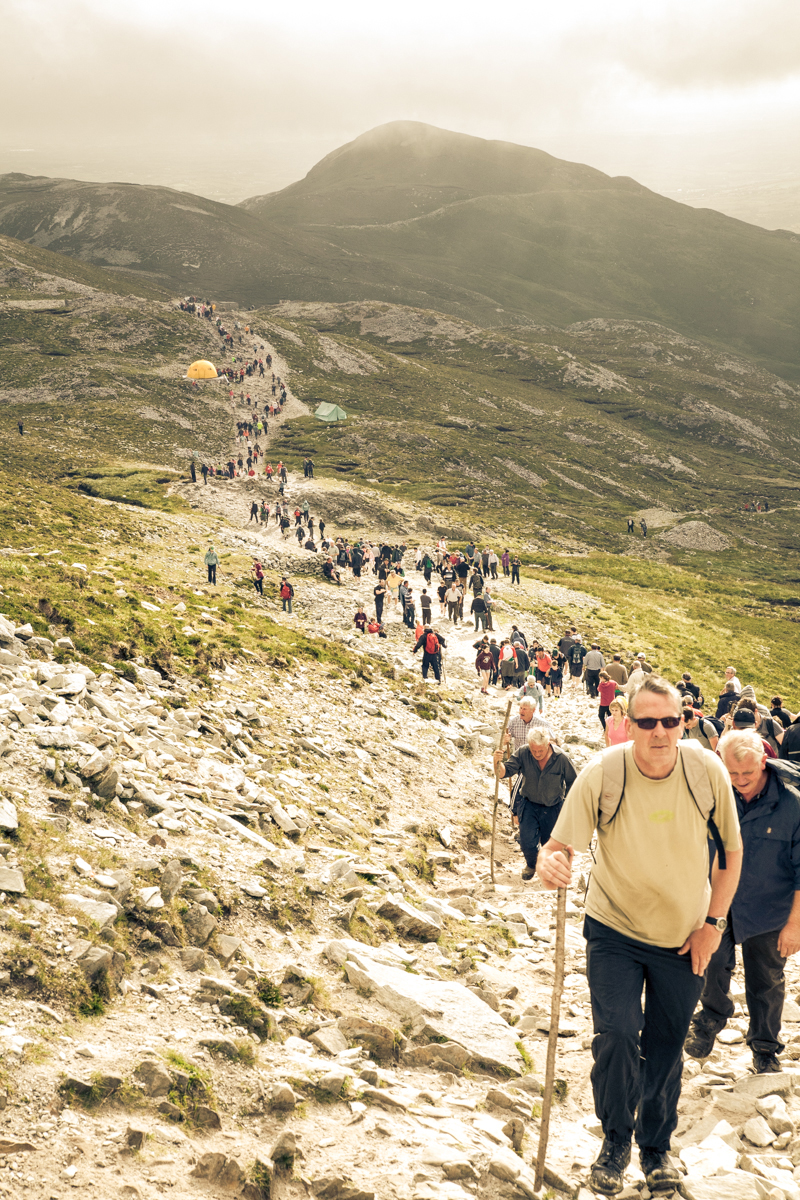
(249, 943)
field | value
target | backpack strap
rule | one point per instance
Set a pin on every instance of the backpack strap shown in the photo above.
(614, 775)
(692, 760)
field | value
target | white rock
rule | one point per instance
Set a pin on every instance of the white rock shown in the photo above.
(152, 897)
(438, 1008)
(8, 815)
(758, 1132)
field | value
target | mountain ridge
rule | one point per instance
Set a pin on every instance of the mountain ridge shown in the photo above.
(411, 214)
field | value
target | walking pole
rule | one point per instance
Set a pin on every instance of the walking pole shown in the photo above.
(497, 793)
(552, 1039)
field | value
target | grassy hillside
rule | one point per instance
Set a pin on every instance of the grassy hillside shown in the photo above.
(497, 234)
(494, 228)
(540, 440)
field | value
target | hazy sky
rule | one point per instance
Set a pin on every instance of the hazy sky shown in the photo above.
(239, 98)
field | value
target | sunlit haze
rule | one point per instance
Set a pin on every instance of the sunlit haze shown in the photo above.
(699, 100)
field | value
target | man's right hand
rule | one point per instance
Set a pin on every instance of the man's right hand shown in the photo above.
(554, 866)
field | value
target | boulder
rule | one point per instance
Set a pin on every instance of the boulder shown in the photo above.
(450, 1054)
(330, 1039)
(757, 1086)
(12, 881)
(338, 1187)
(380, 1040)
(758, 1132)
(282, 1097)
(8, 815)
(157, 1081)
(106, 785)
(192, 959)
(225, 947)
(773, 1110)
(441, 1009)
(284, 1151)
(171, 878)
(63, 738)
(409, 920)
(199, 924)
(737, 1185)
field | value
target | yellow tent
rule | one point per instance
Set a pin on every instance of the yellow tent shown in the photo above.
(202, 369)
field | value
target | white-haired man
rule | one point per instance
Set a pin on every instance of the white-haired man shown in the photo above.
(764, 917)
(547, 777)
(652, 919)
(520, 726)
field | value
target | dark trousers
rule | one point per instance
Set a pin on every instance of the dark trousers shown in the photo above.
(602, 713)
(212, 572)
(431, 660)
(592, 682)
(379, 607)
(638, 1056)
(258, 584)
(764, 987)
(536, 823)
(515, 574)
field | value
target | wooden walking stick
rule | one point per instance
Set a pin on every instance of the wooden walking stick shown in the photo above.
(497, 793)
(552, 1039)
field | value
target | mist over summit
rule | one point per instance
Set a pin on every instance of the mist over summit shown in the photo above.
(493, 232)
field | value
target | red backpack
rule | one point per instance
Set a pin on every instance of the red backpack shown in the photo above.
(431, 644)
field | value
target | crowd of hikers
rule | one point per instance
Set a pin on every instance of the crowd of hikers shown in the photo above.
(692, 814)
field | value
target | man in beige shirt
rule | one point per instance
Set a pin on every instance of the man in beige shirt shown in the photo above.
(616, 670)
(652, 919)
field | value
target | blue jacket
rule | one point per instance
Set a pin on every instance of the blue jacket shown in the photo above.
(770, 828)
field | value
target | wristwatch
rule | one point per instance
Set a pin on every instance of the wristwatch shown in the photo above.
(719, 923)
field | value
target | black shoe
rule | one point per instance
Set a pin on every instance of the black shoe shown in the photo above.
(607, 1172)
(528, 872)
(701, 1037)
(766, 1062)
(659, 1173)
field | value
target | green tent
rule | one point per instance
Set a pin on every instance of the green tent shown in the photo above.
(330, 412)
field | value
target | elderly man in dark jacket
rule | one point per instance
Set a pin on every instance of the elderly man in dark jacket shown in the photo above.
(547, 777)
(765, 914)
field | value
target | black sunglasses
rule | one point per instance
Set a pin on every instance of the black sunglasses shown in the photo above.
(651, 722)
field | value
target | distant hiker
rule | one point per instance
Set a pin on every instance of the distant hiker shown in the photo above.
(264, 512)
(430, 641)
(204, 472)
(193, 471)
(257, 571)
(643, 527)
(254, 512)
(630, 524)
(21, 430)
(286, 592)
(379, 593)
(360, 619)
(505, 559)
(330, 572)
(212, 562)
(484, 665)
(425, 606)
(515, 565)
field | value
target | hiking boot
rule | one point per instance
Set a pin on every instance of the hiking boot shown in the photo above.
(607, 1172)
(766, 1062)
(528, 872)
(659, 1173)
(701, 1037)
